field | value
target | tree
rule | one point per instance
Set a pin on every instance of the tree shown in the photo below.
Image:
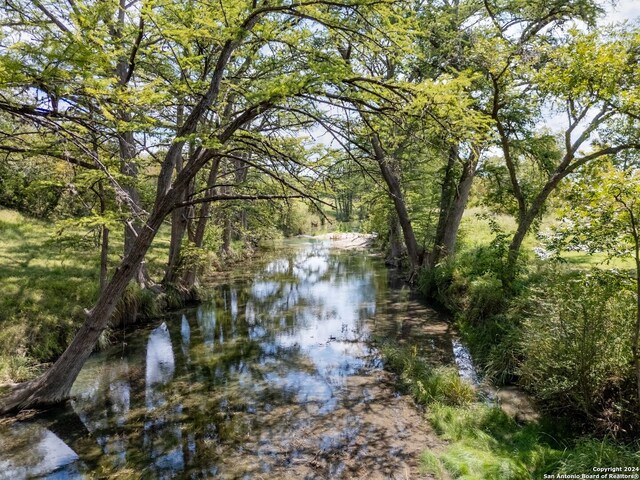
(603, 215)
(52, 91)
(234, 27)
(590, 79)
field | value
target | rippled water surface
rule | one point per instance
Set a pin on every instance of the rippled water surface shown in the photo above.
(273, 378)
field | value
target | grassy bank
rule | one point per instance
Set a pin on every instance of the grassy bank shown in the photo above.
(49, 277)
(476, 231)
(562, 333)
(47, 282)
(483, 442)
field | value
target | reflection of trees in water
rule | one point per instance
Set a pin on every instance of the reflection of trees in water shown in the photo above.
(245, 372)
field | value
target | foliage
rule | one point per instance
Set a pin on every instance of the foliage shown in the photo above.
(426, 383)
(484, 442)
(576, 346)
(22, 187)
(297, 219)
(597, 215)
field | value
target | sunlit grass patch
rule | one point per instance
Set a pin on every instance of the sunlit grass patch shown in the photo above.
(46, 283)
(425, 382)
(486, 443)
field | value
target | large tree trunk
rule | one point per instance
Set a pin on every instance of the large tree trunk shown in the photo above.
(446, 199)
(395, 191)
(457, 210)
(449, 221)
(54, 385)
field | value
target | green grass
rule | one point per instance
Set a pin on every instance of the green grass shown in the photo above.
(475, 231)
(46, 284)
(425, 382)
(482, 441)
(485, 443)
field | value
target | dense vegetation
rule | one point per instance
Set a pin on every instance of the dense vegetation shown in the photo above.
(491, 145)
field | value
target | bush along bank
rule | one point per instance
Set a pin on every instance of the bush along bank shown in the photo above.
(564, 336)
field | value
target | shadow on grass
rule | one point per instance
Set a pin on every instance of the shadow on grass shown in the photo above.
(46, 282)
(484, 442)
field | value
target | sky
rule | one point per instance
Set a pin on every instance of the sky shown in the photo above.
(624, 10)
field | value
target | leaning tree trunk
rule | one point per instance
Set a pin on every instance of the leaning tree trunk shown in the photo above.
(457, 211)
(395, 191)
(54, 385)
(449, 226)
(526, 221)
(446, 200)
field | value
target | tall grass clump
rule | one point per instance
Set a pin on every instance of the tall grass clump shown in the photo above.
(588, 453)
(576, 349)
(425, 383)
(485, 443)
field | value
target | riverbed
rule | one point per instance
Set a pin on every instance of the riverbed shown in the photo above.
(277, 376)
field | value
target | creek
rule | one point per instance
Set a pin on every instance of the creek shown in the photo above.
(275, 377)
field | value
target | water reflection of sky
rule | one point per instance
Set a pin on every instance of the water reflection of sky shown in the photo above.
(44, 453)
(196, 391)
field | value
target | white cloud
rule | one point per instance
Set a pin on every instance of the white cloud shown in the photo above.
(624, 10)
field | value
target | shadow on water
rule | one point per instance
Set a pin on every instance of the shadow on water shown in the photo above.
(273, 378)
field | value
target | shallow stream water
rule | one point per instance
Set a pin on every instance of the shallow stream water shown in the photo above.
(275, 377)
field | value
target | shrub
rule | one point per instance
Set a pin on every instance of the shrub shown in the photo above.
(576, 342)
(443, 285)
(486, 297)
(495, 345)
